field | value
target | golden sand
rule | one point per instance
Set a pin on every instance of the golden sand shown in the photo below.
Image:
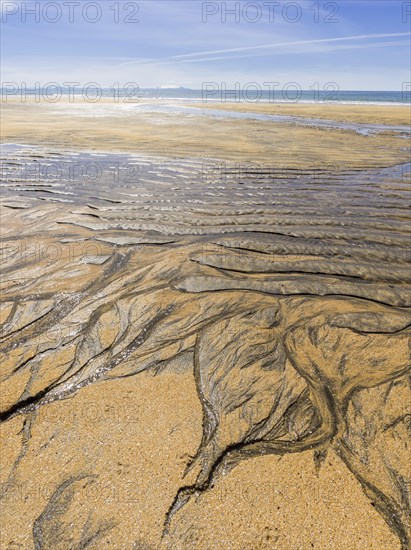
(245, 391)
(109, 126)
(395, 115)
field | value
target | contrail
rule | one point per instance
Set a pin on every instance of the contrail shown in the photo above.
(265, 46)
(334, 48)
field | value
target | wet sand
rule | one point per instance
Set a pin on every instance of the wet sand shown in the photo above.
(198, 358)
(362, 114)
(109, 126)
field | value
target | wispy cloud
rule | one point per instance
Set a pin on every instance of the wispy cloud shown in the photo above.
(311, 51)
(259, 50)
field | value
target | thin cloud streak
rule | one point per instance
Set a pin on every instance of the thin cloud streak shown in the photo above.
(348, 47)
(265, 46)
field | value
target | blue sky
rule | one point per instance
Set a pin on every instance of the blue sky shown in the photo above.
(363, 46)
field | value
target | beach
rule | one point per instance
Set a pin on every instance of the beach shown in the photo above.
(343, 112)
(128, 127)
(205, 325)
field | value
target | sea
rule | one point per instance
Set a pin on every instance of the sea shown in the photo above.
(250, 93)
(286, 95)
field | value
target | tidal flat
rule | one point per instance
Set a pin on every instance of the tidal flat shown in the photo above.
(205, 326)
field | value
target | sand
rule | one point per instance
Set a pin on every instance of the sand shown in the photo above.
(191, 375)
(123, 127)
(395, 115)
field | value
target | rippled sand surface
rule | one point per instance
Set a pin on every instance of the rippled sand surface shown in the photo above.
(199, 352)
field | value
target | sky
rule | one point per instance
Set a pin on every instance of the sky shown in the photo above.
(357, 44)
